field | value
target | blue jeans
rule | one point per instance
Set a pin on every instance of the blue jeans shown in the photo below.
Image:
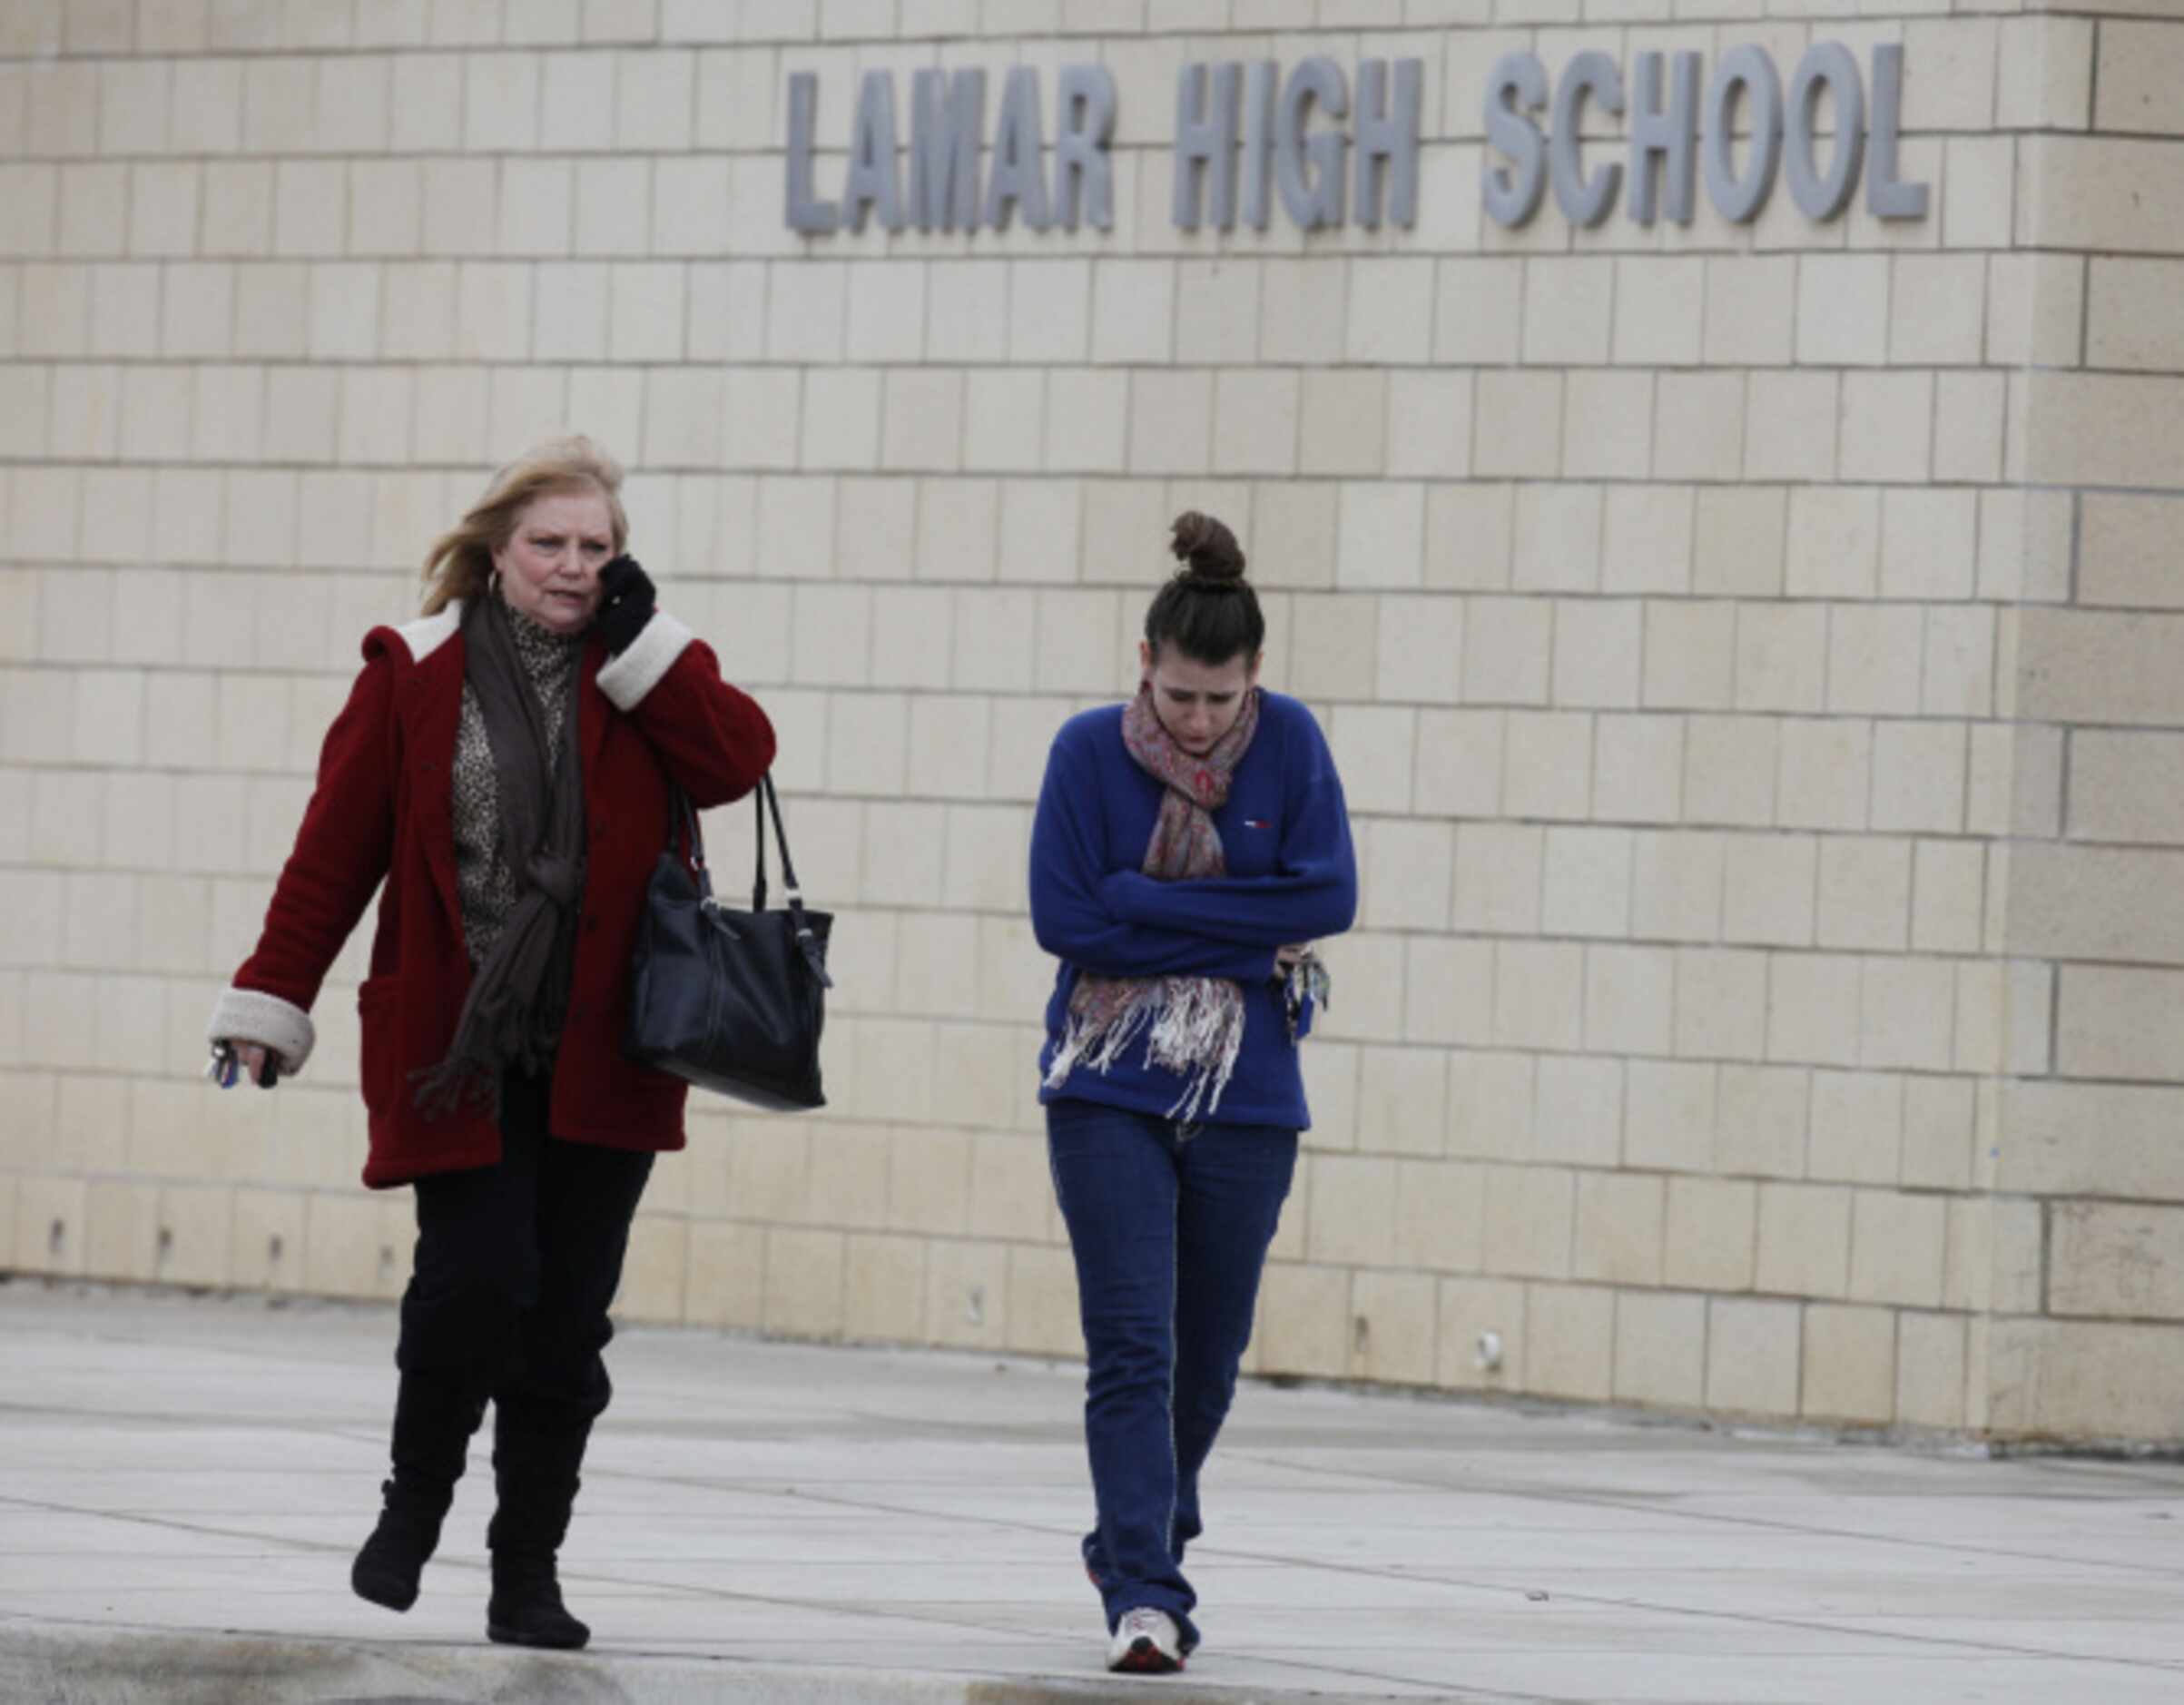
(1170, 1227)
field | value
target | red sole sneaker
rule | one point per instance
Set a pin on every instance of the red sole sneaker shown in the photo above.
(1144, 1657)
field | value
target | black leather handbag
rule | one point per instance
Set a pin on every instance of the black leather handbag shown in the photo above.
(732, 1001)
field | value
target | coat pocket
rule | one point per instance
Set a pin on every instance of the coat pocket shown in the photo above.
(380, 1065)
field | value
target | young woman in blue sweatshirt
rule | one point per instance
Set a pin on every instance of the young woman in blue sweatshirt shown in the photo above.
(1189, 849)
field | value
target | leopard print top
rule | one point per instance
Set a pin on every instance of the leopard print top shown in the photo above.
(483, 881)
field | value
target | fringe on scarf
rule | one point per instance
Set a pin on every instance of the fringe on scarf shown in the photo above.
(1193, 1026)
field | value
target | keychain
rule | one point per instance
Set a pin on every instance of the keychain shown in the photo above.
(225, 1068)
(1307, 981)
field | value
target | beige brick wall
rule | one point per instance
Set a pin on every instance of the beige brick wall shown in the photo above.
(1750, 652)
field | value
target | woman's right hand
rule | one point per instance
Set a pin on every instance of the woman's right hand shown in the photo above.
(1286, 958)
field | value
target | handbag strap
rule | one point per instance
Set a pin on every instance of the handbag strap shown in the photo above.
(806, 940)
(684, 817)
(763, 797)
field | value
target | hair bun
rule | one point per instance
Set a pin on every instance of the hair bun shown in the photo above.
(1208, 547)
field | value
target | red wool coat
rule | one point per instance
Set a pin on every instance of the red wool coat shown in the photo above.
(383, 809)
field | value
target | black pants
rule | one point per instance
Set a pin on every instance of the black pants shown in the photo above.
(515, 1267)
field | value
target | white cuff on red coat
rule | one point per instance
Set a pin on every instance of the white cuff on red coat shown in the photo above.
(251, 1015)
(629, 676)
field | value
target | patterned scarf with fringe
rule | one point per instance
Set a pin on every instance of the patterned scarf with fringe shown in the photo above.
(1193, 1026)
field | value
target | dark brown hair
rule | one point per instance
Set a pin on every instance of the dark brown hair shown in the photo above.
(1207, 610)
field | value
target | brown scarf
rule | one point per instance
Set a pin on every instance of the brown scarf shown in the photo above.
(518, 997)
(1194, 1026)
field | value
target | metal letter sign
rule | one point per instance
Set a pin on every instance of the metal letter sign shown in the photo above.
(1682, 131)
(948, 116)
(1335, 149)
(1825, 65)
(1206, 114)
(1516, 85)
(1082, 172)
(1387, 141)
(1309, 172)
(1583, 201)
(1886, 195)
(1017, 176)
(948, 134)
(1747, 70)
(872, 181)
(1672, 134)
(807, 212)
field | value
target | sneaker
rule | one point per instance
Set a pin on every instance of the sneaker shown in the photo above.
(1146, 1643)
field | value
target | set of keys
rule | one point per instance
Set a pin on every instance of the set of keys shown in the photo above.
(225, 1068)
(1307, 980)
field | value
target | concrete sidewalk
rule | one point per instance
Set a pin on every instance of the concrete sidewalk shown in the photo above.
(182, 1480)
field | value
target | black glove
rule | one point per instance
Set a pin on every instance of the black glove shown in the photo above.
(625, 603)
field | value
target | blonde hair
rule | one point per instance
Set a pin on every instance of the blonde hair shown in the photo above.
(460, 565)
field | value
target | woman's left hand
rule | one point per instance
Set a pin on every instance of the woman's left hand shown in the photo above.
(626, 599)
(1286, 959)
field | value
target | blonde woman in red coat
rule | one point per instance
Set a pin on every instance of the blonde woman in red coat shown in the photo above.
(502, 766)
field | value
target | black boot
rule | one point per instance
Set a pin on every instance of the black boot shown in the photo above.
(535, 1463)
(433, 1422)
(386, 1569)
(525, 1608)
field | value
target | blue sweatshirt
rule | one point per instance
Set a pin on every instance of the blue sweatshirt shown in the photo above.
(1291, 878)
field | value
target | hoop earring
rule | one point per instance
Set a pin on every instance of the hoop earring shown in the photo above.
(493, 584)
